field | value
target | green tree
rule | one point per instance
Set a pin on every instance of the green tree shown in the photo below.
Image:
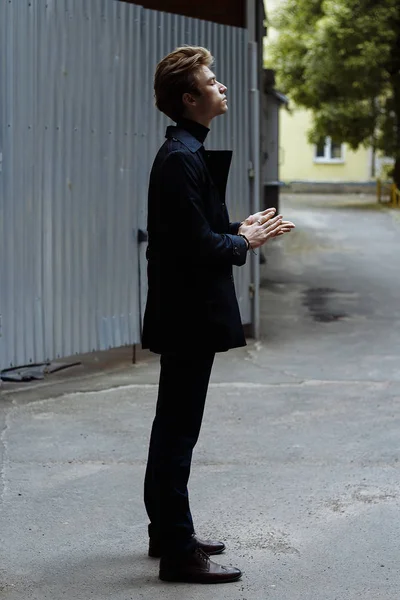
(341, 60)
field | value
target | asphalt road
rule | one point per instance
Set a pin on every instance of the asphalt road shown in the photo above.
(297, 468)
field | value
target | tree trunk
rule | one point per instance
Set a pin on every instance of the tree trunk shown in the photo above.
(395, 76)
(396, 172)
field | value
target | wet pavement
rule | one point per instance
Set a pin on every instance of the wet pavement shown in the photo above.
(297, 467)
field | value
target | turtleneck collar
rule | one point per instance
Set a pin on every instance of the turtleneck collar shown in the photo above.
(197, 130)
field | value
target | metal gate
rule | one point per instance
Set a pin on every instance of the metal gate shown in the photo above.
(78, 133)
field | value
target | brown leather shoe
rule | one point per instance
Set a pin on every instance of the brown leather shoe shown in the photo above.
(196, 568)
(210, 547)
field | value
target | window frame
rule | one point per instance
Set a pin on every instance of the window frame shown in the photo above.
(327, 158)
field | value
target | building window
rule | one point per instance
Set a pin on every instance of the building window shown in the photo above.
(327, 151)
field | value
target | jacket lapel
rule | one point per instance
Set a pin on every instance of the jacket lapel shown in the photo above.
(218, 163)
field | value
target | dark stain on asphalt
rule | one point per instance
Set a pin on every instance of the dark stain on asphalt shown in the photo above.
(324, 304)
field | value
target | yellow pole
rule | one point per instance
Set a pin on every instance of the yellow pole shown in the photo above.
(397, 195)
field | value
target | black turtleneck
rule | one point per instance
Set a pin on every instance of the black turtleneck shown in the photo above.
(197, 130)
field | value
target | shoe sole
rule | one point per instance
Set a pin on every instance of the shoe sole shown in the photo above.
(175, 578)
(155, 555)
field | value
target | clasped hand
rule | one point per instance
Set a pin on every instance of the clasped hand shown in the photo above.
(263, 226)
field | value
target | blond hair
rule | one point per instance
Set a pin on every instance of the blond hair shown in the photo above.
(175, 75)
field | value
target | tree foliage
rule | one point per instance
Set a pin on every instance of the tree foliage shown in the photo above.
(341, 60)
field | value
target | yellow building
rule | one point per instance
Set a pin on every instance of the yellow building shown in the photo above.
(326, 162)
(300, 161)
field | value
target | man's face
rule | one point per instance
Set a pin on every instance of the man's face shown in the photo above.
(211, 100)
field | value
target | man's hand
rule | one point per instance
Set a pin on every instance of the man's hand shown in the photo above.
(264, 227)
(260, 216)
(286, 227)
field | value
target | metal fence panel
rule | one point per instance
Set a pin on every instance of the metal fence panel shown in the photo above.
(78, 134)
(68, 218)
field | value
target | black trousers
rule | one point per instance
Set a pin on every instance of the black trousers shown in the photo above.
(182, 394)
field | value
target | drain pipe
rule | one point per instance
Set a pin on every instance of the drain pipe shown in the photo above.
(254, 166)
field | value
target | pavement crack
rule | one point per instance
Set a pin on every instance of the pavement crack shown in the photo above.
(252, 357)
(250, 385)
(4, 453)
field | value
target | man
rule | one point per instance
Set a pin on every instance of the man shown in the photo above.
(191, 310)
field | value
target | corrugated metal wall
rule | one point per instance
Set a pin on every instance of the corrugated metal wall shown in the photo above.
(78, 133)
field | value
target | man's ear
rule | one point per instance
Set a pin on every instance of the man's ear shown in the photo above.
(188, 99)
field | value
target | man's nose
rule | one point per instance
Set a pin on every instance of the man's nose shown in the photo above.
(222, 88)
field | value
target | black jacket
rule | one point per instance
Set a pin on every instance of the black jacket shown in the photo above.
(191, 302)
